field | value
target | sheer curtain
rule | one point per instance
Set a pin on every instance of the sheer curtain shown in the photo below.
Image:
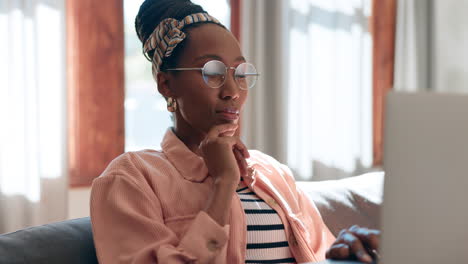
(265, 44)
(414, 46)
(431, 41)
(33, 184)
(312, 108)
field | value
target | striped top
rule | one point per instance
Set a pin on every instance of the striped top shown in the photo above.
(266, 238)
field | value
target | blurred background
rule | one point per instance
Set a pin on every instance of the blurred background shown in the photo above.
(76, 91)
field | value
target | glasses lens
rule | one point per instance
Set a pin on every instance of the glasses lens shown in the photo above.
(214, 73)
(246, 75)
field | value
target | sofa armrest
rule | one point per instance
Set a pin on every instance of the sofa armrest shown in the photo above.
(69, 242)
(346, 202)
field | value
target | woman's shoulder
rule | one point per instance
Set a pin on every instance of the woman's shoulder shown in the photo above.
(139, 158)
(137, 164)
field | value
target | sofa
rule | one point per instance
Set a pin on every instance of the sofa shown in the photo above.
(342, 203)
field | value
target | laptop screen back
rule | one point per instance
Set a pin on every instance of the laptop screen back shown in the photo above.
(425, 208)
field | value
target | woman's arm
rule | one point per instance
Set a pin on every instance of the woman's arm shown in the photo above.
(315, 224)
(352, 243)
(128, 227)
(219, 203)
(224, 155)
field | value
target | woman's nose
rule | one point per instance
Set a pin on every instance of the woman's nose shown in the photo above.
(230, 90)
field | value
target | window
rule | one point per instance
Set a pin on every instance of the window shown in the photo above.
(330, 88)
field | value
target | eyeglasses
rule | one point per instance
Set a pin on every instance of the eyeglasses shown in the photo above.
(214, 74)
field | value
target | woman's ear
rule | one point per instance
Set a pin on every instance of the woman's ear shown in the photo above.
(163, 80)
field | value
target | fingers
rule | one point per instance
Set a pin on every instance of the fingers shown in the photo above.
(355, 242)
(338, 251)
(369, 237)
(242, 148)
(228, 130)
(224, 134)
(241, 162)
(222, 130)
(356, 247)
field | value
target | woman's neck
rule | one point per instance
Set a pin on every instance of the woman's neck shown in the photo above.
(189, 136)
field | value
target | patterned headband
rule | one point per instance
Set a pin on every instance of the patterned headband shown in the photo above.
(168, 34)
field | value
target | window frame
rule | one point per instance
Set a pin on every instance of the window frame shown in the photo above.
(383, 27)
(95, 83)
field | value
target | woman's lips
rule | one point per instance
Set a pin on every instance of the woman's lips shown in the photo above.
(228, 115)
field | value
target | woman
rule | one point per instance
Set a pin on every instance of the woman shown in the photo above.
(204, 198)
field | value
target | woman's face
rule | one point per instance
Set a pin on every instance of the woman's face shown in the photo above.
(199, 106)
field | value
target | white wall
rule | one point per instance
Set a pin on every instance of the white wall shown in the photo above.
(78, 202)
(450, 65)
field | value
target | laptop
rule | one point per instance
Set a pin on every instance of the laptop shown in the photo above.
(425, 206)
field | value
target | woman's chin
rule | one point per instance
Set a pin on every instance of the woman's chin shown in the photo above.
(226, 119)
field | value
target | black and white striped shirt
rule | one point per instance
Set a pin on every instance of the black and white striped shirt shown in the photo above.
(266, 238)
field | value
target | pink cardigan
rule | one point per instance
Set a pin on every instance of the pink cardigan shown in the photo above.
(146, 208)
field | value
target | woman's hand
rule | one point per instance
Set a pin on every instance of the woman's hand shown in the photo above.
(224, 154)
(355, 243)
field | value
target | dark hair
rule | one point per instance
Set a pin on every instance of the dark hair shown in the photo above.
(152, 12)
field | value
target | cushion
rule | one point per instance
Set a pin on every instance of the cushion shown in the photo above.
(68, 242)
(346, 202)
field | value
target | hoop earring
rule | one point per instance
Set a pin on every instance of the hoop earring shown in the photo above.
(171, 105)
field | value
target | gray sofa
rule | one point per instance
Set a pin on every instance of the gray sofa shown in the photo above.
(67, 242)
(342, 203)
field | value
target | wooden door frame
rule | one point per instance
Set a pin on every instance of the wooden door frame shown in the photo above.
(383, 27)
